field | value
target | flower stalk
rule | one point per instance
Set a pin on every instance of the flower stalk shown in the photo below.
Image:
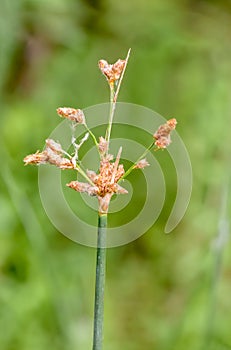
(100, 282)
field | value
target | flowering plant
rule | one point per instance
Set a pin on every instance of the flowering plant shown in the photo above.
(105, 182)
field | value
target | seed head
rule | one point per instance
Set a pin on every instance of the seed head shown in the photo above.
(108, 176)
(83, 187)
(36, 158)
(112, 71)
(162, 135)
(53, 154)
(54, 146)
(104, 183)
(75, 115)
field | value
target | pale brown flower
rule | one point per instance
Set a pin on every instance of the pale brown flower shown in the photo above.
(120, 189)
(53, 154)
(75, 115)
(54, 146)
(108, 176)
(91, 174)
(112, 71)
(104, 184)
(102, 146)
(36, 158)
(83, 187)
(162, 135)
(141, 164)
(59, 161)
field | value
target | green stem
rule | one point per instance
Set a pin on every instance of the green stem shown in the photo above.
(141, 157)
(81, 171)
(111, 114)
(100, 282)
(92, 135)
(121, 77)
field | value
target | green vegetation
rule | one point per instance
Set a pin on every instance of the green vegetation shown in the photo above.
(168, 292)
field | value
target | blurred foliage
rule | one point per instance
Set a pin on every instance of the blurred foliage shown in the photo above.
(163, 291)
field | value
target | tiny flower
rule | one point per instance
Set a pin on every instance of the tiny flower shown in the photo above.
(162, 135)
(102, 146)
(54, 146)
(91, 174)
(120, 189)
(83, 187)
(61, 162)
(119, 172)
(36, 158)
(118, 68)
(75, 115)
(172, 123)
(104, 184)
(112, 71)
(141, 164)
(53, 154)
(108, 157)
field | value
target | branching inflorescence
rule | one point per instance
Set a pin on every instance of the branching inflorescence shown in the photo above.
(104, 183)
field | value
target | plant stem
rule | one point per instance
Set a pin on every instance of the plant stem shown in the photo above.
(121, 77)
(111, 114)
(100, 282)
(92, 135)
(142, 156)
(81, 171)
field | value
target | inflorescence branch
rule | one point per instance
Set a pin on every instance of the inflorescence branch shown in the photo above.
(104, 183)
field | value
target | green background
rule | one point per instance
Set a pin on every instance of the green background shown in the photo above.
(168, 292)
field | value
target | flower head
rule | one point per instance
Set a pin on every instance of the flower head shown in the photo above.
(53, 154)
(83, 187)
(162, 135)
(102, 146)
(105, 183)
(75, 115)
(36, 158)
(112, 71)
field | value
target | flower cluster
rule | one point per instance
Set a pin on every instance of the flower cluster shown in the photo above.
(53, 154)
(162, 135)
(104, 183)
(112, 71)
(75, 115)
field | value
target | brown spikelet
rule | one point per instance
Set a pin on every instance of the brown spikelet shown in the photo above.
(36, 158)
(83, 187)
(162, 135)
(104, 184)
(75, 115)
(53, 154)
(141, 164)
(102, 146)
(112, 71)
